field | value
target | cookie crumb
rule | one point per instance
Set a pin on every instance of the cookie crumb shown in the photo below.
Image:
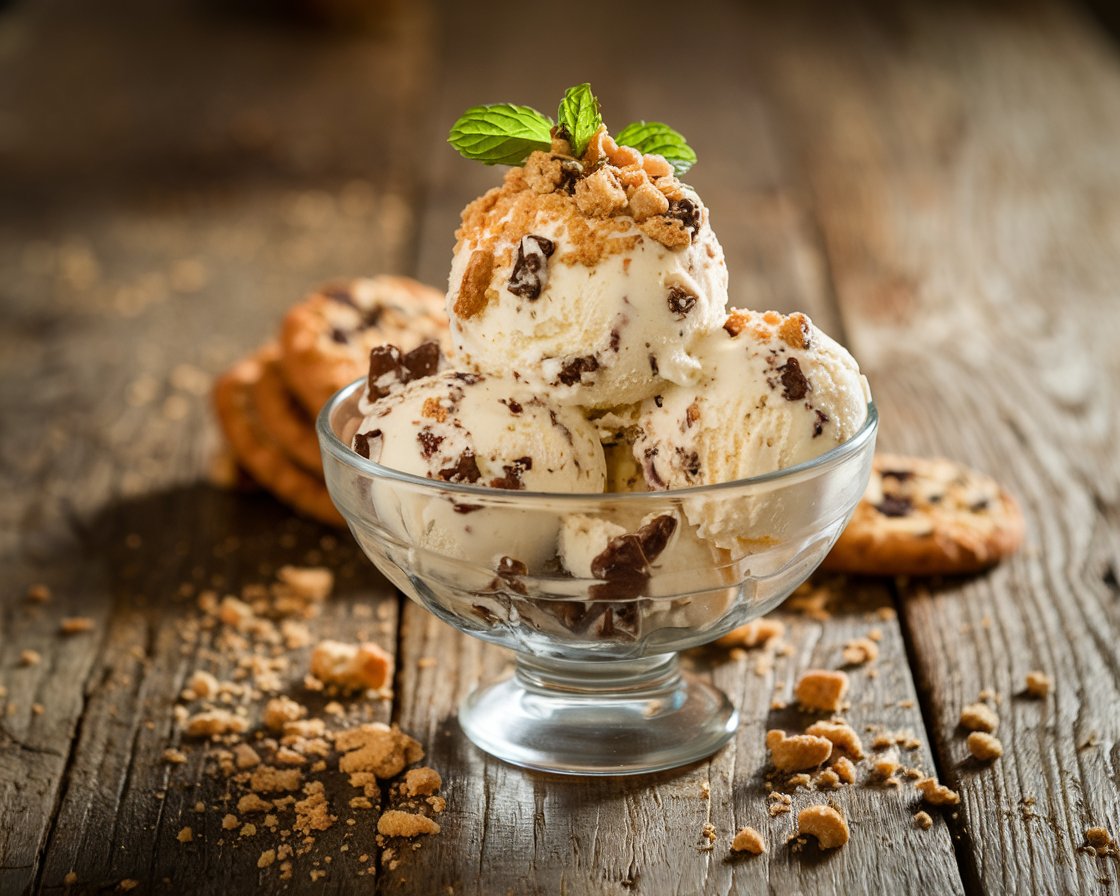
(74, 625)
(128, 884)
(979, 717)
(936, 794)
(984, 746)
(790, 753)
(1039, 684)
(71, 878)
(750, 841)
(845, 770)
(1099, 839)
(779, 803)
(842, 736)
(173, 756)
(821, 689)
(422, 781)
(351, 666)
(923, 820)
(266, 858)
(756, 633)
(824, 823)
(202, 685)
(860, 651)
(214, 722)
(281, 710)
(229, 822)
(186, 835)
(708, 832)
(39, 594)
(30, 657)
(395, 823)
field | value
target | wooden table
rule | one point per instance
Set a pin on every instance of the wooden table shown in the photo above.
(939, 186)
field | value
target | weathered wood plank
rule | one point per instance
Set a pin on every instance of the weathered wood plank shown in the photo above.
(174, 180)
(507, 830)
(963, 164)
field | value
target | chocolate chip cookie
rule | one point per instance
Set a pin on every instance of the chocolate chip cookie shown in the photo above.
(927, 516)
(281, 416)
(258, 452)
(325, 340)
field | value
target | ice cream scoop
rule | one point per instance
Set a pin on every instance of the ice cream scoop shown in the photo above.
(775, 391)
(462, 427)
(593, 278)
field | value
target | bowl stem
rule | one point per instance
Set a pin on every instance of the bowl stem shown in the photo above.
(598, 717)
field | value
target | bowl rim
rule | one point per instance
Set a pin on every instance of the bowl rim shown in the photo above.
(330, 443)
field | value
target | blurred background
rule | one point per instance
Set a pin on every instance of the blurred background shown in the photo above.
(174, 175)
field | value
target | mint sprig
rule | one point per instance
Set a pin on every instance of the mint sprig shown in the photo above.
(500, 134)
(505, 134)
(658, 138)
(579, 116)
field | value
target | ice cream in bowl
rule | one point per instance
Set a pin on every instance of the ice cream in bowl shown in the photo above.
(611, 465)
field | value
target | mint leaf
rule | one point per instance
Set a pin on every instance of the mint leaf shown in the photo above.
(502, 134)
(655, 137)
(579, 116)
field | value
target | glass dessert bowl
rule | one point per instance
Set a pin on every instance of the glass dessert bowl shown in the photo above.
(596, 689)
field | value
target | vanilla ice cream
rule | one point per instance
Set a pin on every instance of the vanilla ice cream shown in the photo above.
(775, 392)
(591, 280)
(461, 427)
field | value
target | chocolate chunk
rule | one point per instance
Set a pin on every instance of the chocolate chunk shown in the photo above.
(687, 212)
(339, 335)
(818, 424)
(650, 470)
(512, 478)
(572, 372)
(616, 337)
(681, 302)
(429, 442)
(530, 267)
(465, 508)
(422, 361)
(388, 367)
(795, 386)
(372, 317)
(384, 369)
(469, 378)
(513, 405)
(362, 442)
(979, 505)
(653, 366)
(465, 469)
(485, 614)
(659, 401)
(625, 562)
(619, 620)
(567, 433)
(898, 475)
(689, 461)
(509, 573)
(340, 294)
(894, 505)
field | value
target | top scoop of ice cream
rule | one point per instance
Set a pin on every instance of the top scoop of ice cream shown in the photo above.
(592, 278)
(775, 392)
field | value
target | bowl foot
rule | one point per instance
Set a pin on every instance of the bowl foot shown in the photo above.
(608, 717)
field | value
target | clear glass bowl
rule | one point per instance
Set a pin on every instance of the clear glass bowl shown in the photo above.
(596, 689)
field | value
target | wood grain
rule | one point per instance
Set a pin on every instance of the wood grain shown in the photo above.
(966, 193)
(157, 216)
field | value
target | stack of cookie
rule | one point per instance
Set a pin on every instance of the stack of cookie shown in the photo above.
(267, 402)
